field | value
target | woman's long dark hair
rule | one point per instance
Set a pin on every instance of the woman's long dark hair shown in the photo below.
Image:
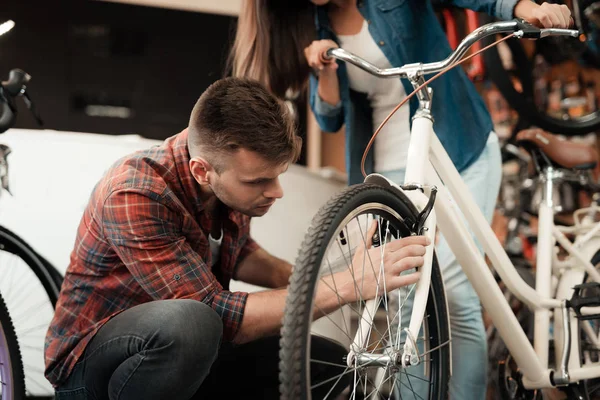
(269, 44)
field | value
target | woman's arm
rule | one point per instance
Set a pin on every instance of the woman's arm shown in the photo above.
(324, 87)
(545, 15)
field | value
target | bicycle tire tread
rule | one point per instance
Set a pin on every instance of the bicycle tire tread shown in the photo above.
(18, 374)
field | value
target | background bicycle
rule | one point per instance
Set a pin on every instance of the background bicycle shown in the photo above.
(29, 285)
(516, 226)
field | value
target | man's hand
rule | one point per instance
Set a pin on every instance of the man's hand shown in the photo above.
(366, 275)
(264, 310)
(545, 15)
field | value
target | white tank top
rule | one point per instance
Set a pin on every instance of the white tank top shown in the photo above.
(391, 145)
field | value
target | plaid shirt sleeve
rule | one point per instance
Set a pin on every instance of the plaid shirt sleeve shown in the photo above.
(146, 235)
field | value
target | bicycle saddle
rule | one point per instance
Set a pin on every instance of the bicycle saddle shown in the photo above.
(566, 154)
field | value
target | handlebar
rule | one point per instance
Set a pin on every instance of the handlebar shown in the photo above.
(520, 28)
(15, 86)
(9, 90)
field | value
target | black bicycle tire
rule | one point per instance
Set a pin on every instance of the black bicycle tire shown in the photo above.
(297, 316)
(523, 104)
(48, 276)
(18, 374)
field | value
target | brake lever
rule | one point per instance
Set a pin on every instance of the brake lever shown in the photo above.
(527, 30)
(32, 108)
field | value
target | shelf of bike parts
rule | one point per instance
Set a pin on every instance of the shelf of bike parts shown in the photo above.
(565, 90)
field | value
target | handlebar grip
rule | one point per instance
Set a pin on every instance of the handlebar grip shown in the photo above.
(560, 32)
(7, 115)
(9, 90)
(533, 32)
(326, 57)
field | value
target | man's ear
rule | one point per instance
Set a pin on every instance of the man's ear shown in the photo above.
(200, 169)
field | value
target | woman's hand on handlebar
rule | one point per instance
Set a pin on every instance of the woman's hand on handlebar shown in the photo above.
(328, 89)
(315, 55)
(546, 15)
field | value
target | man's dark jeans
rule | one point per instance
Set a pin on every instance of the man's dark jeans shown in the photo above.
(170, 349)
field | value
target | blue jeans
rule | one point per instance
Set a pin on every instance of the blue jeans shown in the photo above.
(171, 349)
(469, 345)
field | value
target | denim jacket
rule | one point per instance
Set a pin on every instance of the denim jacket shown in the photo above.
(407, 32)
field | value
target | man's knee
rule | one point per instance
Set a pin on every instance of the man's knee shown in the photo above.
(173, 340)
(191, 330)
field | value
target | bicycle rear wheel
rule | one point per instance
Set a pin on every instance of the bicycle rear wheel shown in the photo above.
(328, 248)
(30, 288)
(12, 384)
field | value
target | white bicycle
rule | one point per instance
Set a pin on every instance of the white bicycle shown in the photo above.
(386, 358)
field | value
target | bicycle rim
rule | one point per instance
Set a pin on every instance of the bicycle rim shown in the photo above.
(11, 369)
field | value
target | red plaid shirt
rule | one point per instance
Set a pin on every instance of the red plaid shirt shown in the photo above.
(143, 237)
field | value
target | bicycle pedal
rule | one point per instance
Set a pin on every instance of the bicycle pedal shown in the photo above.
(585, 295)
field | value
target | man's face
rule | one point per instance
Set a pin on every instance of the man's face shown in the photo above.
(249, 183)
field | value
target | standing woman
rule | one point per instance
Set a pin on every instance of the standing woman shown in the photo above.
(280, 42)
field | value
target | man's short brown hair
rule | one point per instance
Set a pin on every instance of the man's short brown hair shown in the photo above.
(236, 113)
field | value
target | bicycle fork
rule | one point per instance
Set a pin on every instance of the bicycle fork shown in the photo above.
(424, 224)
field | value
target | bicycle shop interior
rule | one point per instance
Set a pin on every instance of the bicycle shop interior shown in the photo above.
(103, 79)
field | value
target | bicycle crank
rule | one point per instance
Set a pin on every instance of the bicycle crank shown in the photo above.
(511, 384)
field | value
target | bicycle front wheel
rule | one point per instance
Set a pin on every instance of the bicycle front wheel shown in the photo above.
(30, 287)
(12, 383)
(374, 372)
